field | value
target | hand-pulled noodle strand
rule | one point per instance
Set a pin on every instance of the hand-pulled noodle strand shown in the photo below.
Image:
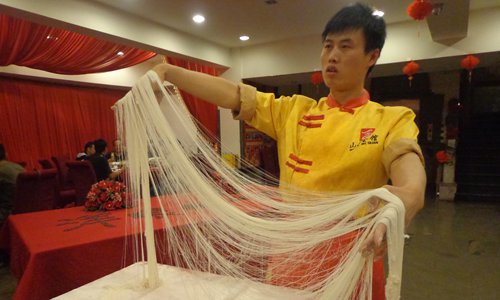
(219, 220)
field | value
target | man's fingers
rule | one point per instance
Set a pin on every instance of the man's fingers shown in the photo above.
(375, 242)
(379, 234)
(373, 204)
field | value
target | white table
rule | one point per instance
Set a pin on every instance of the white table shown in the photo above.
(181, 284)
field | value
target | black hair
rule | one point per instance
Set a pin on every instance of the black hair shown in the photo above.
(359, 16)
(88, 145)
(2, 152)
(100, 146)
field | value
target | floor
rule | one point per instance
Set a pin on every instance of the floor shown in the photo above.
(453, 253)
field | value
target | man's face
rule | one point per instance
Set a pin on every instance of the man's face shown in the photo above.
(91, 150)
(118, 145)
(344, 61)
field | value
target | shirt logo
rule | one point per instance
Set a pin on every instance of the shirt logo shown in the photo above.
(365, 133)
(366, 137)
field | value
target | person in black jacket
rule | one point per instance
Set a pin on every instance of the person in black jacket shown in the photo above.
(100, 162)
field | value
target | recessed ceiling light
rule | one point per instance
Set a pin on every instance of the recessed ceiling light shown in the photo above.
(244, 37)
(199, 19)
(120, 53)
(378, 13)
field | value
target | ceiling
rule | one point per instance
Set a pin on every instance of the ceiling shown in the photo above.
(226, 20)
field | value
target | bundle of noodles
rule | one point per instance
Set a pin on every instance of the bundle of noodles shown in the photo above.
(216, 219)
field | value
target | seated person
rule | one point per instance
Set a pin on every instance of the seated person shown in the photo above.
(88, 151)
(8, 177)
(118, 153)
(100, 163)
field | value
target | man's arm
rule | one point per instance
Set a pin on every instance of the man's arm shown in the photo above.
(215, 90)
(408, 183)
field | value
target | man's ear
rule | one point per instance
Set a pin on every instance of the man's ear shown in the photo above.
(373, 56)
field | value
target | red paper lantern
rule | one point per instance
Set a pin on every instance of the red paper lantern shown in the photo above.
(419, 9)
(316, 78)
(469, 63)
(443, 158)
(411, 68)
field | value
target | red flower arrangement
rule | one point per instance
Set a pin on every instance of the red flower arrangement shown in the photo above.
(107, 195)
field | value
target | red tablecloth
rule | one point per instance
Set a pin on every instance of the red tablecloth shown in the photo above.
(53, 252)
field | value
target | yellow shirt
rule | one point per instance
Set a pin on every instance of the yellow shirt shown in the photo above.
(323, 146)
(326, 147)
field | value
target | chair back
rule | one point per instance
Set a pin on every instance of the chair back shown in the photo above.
(46, 164)
(62, 169)
(35, 191)
(83, 177)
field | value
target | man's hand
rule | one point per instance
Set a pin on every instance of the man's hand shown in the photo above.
(375, 243)
(408, 177)
(161, 70)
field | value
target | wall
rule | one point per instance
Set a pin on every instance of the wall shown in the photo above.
(405, 40)
(447, 84)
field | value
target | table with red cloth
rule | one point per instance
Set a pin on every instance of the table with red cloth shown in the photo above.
(53, 252)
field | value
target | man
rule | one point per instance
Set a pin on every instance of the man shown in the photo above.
(343, 142)
(8, 177)
(100, 163)
(88, 151)
(118, 153)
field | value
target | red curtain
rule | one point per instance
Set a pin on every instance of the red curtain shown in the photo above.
(40, 120)
(206, 113)
(24, 43)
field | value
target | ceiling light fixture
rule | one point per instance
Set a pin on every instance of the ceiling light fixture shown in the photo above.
(244, 37)
(199, 19)
(378, 13)
(120, 53)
